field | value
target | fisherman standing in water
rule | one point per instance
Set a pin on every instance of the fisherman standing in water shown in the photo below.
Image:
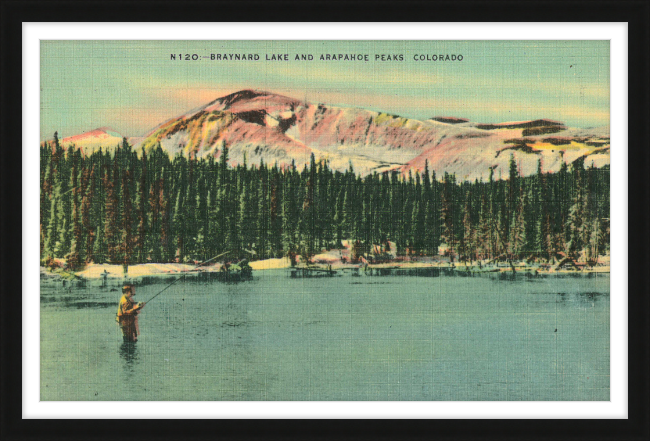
(127, 314)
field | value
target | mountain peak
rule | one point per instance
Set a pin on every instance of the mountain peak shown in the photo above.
(247, 100)
(450, 119)
(242, 95)
(100, 132)
(110, 131)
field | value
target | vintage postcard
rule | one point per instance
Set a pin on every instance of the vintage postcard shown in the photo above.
(324, 220)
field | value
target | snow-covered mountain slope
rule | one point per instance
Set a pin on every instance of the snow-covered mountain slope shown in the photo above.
(263, 126)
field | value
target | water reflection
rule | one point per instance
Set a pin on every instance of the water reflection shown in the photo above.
(580, 298)
(129, 353)
(82, 305)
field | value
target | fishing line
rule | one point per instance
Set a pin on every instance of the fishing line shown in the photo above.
(181, 277)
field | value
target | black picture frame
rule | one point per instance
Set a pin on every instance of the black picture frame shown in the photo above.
(635, 13)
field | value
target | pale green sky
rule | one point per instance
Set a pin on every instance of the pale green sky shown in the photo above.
(132, 86)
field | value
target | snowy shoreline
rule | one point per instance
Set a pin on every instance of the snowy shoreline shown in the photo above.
(114, 274)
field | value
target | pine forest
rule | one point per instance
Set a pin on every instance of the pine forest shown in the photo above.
(123, 206)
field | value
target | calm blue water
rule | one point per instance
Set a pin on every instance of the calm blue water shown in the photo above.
(342, 338)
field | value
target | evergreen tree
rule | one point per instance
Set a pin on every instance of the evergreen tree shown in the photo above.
(517, 239)
(262, 239)
(48, 202)
(165, 217)
(190, 229)
(289, 215)
(141, 204)
(98, 212)
(88, 186)
(418, 227)
(562, 194)
(75, 257)
(126, 218)
(201, 202)
(577, 229)
(178, 222)
(246, 221)
(64, 210)
(307, 222)
(111, 226)
(47, 172)
(275, 213)
(448, 226)
(484, 229)
(51, 238)
(468, 238)
(511, 202)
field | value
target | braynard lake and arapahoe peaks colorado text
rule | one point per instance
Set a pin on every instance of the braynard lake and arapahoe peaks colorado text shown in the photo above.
(361, 57)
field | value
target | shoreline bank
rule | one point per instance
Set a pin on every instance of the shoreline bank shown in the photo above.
(113, 275)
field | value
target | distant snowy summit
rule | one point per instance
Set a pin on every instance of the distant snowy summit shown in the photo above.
(276, 129)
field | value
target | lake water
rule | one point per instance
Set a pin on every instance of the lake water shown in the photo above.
(341, 338)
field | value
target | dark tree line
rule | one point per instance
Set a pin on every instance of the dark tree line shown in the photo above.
(125, 208)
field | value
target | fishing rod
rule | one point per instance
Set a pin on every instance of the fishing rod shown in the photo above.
(202, 263)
